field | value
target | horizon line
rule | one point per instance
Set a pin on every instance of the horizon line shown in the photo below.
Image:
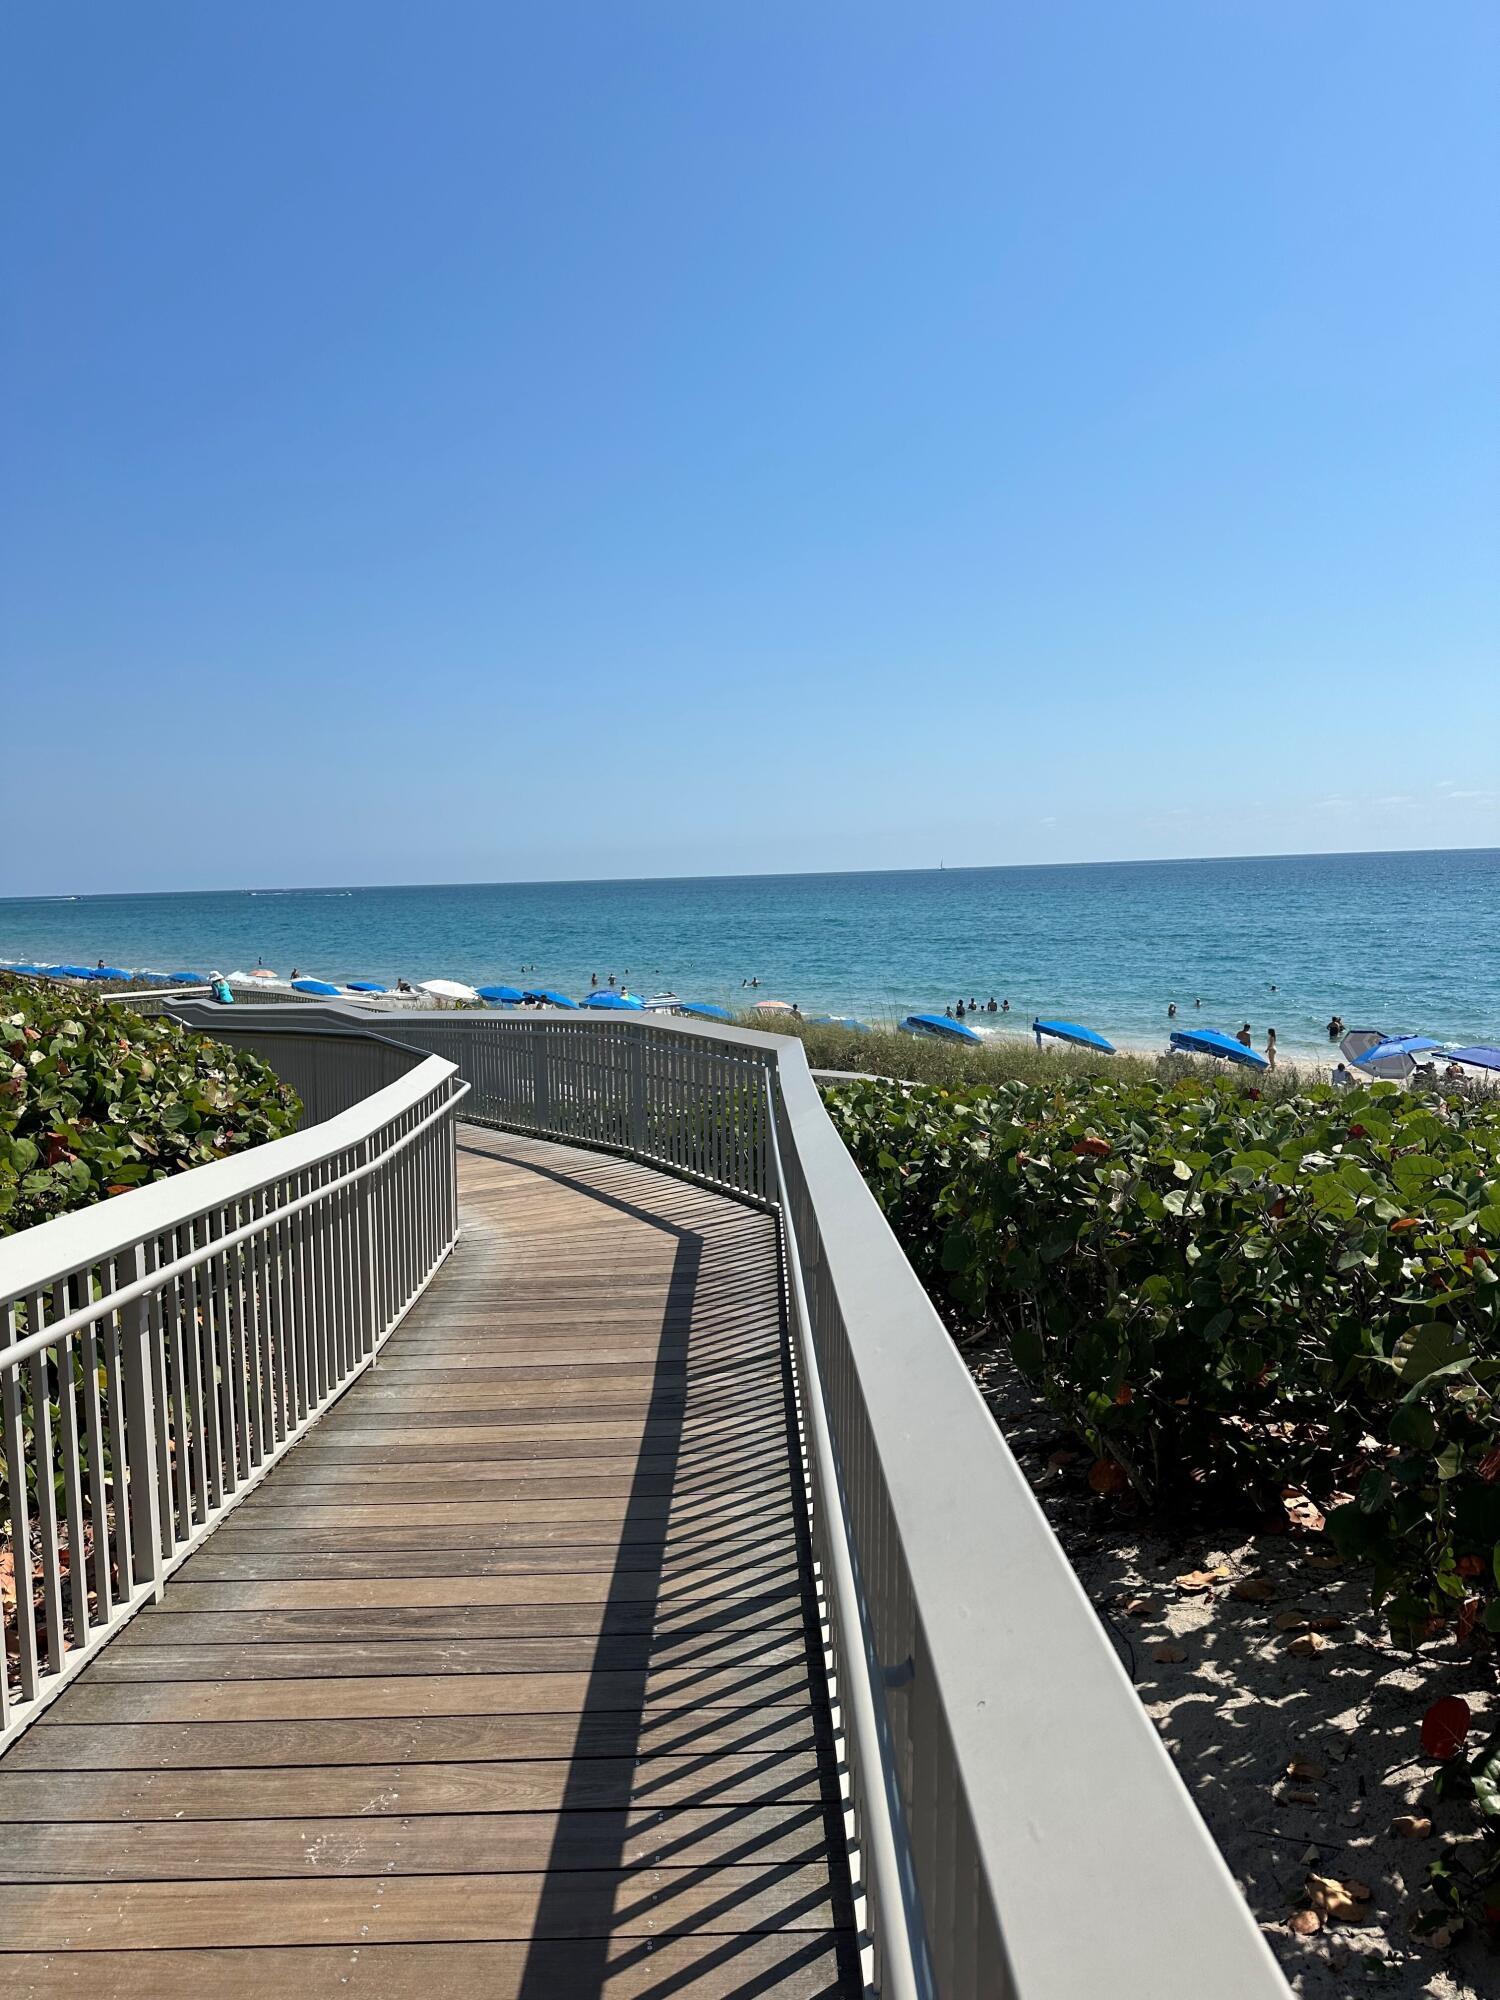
(747, 875)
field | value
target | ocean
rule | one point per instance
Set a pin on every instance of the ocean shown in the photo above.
(1402, 942)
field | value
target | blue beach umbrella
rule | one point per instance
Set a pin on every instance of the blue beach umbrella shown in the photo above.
(110, 972)
(705, 1009)
(1210, 1042)
(314, 986)
(68, 971)
(362, 986)
(30, 971)
(506, 996)
(158, 978)
(189, 978)
(551, 999)
(1479, 1056)
(939, 1024)
(847, 1021)
(1070, 1031)
(613, 999)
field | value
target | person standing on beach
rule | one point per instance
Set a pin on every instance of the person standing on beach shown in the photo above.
(1271, 1047)
(1243, 1037)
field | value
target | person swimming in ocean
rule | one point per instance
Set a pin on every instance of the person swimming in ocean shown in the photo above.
(1171, 1010)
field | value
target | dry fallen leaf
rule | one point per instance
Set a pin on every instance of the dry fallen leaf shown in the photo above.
(1253, 1590)
(1138, 1607)
(1300, 1511)
(1291, 1621)
(1339, 1902)
(1326, 1621)
(1411, 1826)
(1300, 1798)
(1170, 1656)
(1305, 1647)
(1306, 1923)
(1197, 1580)
(1306, 1767)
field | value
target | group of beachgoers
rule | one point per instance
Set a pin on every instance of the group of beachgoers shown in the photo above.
(960, 1009)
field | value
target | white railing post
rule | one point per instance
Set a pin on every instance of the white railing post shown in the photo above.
(136, 1375)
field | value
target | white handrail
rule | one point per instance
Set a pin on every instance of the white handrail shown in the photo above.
(187, 1333)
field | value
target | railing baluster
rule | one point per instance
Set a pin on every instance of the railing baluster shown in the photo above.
(93, 1423)
(73, 1491)
(12, 1435)
(144, 1532)
(46, 1495)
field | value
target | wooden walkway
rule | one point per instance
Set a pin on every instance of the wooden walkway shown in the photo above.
(503, 1684)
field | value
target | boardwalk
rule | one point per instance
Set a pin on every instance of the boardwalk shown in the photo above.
(502, 1683)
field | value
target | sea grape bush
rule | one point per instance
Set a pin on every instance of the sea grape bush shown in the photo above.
(1228, 1296)
(95, 1100)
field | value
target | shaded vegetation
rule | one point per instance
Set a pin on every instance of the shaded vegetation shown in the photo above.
(95, 1099)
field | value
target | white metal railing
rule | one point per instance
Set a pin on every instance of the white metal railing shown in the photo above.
(160, 1351)
(1020, 1828)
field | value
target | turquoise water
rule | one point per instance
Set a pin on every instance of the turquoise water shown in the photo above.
(1400, 941)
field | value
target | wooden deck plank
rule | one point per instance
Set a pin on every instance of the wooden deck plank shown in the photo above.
(55, 1745)
(295, 1791)
(406, 1909)
(504, 1682)
(246, 1849)
(792, 1966)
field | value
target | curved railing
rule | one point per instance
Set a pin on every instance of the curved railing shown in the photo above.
(1017, 1826)
(160, 1351)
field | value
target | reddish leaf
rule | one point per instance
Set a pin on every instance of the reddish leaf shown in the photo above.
(1106, 1475)
(1444, 1727)
(1489, 1465)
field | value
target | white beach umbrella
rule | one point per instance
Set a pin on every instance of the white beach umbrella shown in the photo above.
(447, 989)
(773, 1007)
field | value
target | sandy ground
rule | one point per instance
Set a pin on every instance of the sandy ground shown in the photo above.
(1293, 1672)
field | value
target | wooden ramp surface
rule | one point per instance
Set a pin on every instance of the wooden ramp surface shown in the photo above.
(503, 1683)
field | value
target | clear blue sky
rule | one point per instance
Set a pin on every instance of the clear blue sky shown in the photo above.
(468, 441)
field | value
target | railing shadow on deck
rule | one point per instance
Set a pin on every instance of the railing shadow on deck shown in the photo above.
(587, 1896)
